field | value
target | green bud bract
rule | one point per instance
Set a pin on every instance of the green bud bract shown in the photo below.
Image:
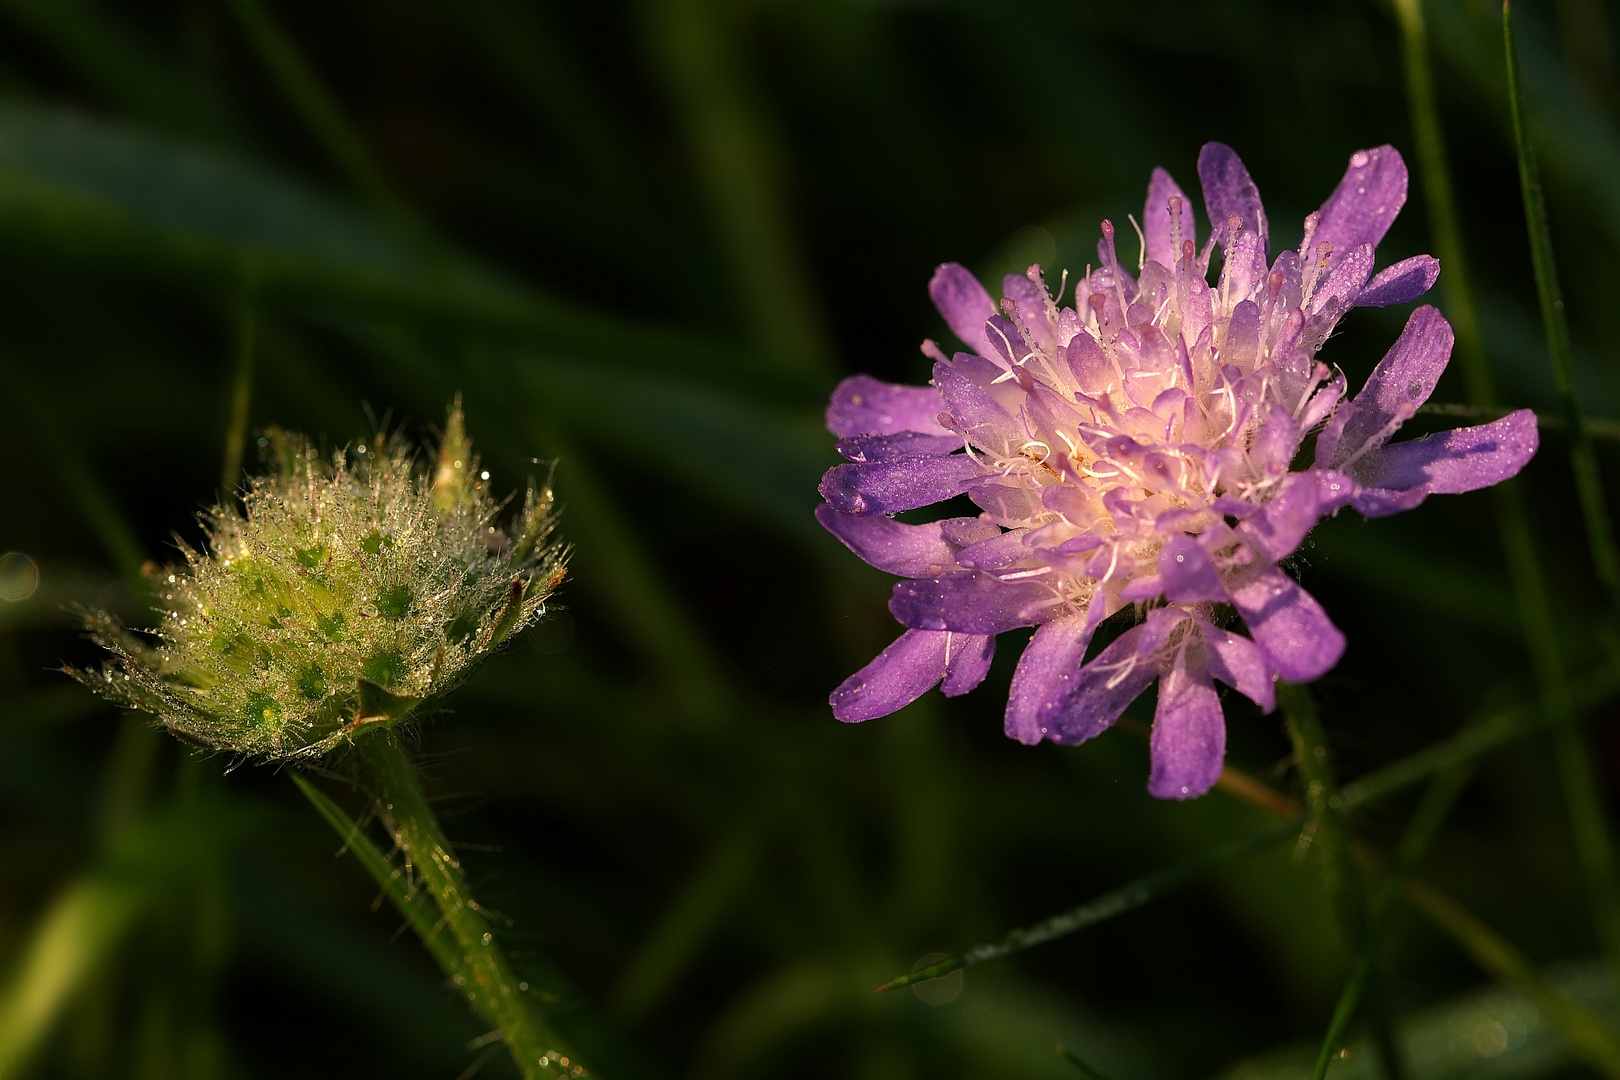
(343, 593)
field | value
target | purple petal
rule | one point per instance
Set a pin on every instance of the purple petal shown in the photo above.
(914, 551)
(1240, 664)
(1345, 281)
(996, 553)
(901, 674)
(1229, 192)
(1188, 743)
(1188, 573)
(974, 410)
(968, 662)
(965, 304)
(1445, 463)
(1278, 528)
(1406, 280)
(971, 602)
(1290, 626)
(1156, 220)
(1093, 699)
(888, 487)
(862, 405)
(900, 444)
(1402, 381)
(1364, 204)
(1051, 659)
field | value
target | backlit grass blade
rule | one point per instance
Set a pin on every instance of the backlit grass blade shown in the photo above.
(1138, 893)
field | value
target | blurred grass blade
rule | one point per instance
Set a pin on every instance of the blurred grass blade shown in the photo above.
(689, 921)
(741, 165)
(122, 69)
(416, 908)
(1138, 893)
(316, 108)
(236, 426)
(1420, 833)
(1591, 1039)
(1332, 841)
(1524, 565)
(91, 917)
(1583, 457)
(1074, 1059)
(1574, 764)
(1598, 427)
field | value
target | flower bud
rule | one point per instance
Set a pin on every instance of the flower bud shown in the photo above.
(339, 596)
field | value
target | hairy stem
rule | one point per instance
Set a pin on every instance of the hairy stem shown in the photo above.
(471, 956)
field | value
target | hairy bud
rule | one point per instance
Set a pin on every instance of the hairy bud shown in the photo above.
(342, 594)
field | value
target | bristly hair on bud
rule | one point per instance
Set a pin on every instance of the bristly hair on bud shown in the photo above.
(340, 595)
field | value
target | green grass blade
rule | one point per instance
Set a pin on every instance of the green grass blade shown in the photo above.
(1583, 456)
(1074, 1059)
(236, 424)
(416, 908)
(1524, 564)
(317, 108)
(741, 165)
(1420, 833)
(1332, 841)
(1138, 893)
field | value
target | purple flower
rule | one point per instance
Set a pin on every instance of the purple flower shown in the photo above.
(1135, 448)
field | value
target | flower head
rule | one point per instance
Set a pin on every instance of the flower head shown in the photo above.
(1138, 447)
(344, 592)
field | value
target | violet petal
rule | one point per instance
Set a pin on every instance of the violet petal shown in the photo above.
(1402, 381)
(1240, 664)
(1050, 660)
(888, 487)
(971, 602)
(1188, 573)
(1092, 700)
(1290, 626)
(1364, 204)
(968, 662)
(1188, 744)
(1406, 280)
(1156, 223)
(964, 303)
(1230, 192)
(913, 551)
(900, 674)
(1278, 528)
(1445, 463)
(898, 445)
(862, 405)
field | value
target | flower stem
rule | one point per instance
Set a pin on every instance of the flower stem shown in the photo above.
(470, 956)
(1524, 567)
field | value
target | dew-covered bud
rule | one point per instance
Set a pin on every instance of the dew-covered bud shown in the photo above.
(339, 596)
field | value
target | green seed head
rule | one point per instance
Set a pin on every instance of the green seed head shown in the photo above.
(340, 595)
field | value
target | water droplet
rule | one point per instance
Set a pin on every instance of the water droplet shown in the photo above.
(19, 577)
(488, 938)
(1359, 159)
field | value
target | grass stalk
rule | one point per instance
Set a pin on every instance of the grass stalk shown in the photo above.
(1420, 833)
(477, 964)
(318, 110)
(236, 427)
(1332, 841)
(1519, 549)
(1138, 893)
(1582, 454)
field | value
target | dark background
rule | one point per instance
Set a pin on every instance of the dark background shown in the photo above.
(648, 239)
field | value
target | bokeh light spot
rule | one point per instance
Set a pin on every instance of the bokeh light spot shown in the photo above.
(19, 577)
